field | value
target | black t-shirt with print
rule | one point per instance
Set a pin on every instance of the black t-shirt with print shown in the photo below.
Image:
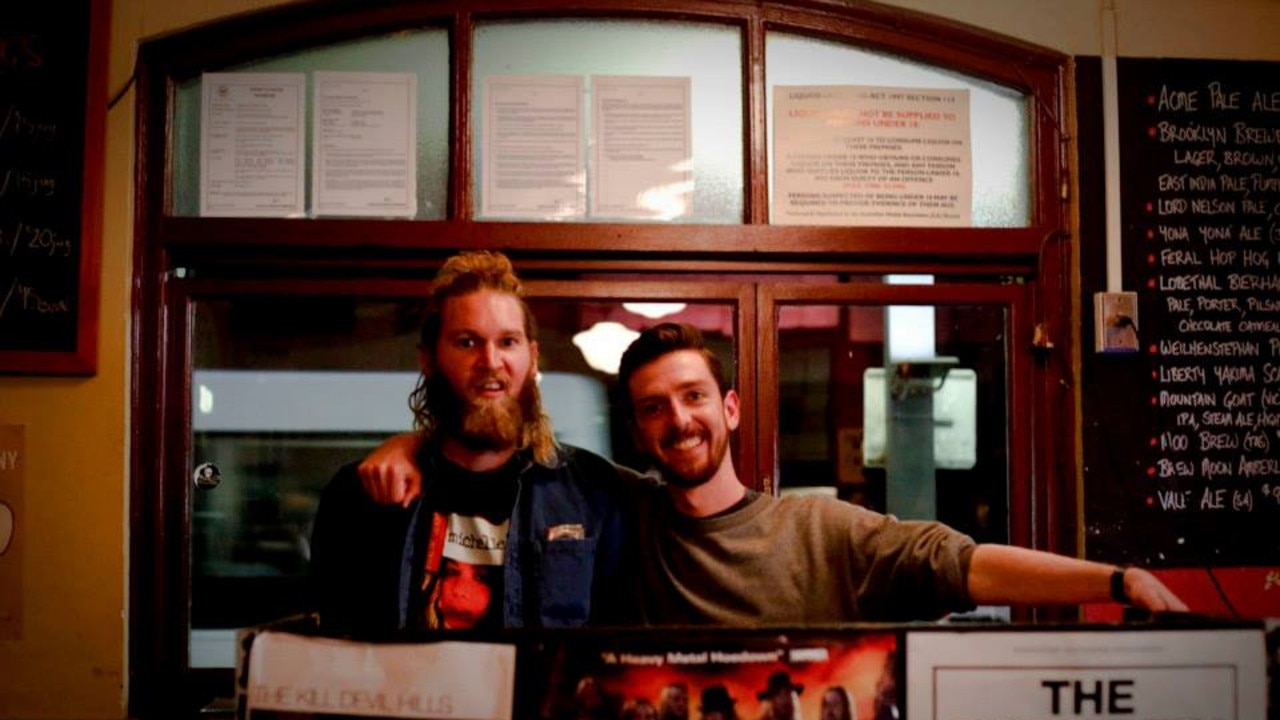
(459, 579)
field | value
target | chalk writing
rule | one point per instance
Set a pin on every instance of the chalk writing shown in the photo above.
(44, 106)
(22, 298)
(1205, 200)
(20, 183)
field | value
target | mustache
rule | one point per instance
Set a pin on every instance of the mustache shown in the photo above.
(497, 376)
(676, 435)
(493, 376)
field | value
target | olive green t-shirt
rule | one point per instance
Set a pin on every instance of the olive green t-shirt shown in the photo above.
(796, 560)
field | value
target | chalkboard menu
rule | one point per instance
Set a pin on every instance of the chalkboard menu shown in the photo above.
(52, 112)
(1200, 169)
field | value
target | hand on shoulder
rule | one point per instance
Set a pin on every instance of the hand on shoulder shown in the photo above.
(390, 474)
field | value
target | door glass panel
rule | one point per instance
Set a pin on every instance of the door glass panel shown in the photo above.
(853, 425)
(285, 390)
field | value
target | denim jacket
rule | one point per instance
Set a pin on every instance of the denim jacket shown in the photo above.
(364, 555)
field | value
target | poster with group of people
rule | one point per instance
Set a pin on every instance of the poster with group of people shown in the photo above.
(769, 677)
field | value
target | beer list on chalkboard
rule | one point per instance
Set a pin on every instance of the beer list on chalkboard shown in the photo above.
(1200, 166)
(43, 85)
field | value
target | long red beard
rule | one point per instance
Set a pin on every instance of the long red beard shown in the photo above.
(483, 424)
(491, 424)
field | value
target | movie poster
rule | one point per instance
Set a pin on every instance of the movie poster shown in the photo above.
(846, 676)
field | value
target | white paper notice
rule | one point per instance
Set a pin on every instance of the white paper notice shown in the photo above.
(858, 155)
(532, 157)
(642, 153)
(1185, 674)
(363, 144)
(251, 145)
(300, 674)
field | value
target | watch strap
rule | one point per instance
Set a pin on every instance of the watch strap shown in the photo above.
(1118, 592)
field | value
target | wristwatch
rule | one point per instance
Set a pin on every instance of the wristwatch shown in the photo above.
(1118, 592)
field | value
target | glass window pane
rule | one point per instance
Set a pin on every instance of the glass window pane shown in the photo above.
(424, 52)
(710, 55)
(285, 390)
(999, 116)
(842, 413)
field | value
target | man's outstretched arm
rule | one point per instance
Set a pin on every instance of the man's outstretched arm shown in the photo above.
(389, 474)
(1008, 575)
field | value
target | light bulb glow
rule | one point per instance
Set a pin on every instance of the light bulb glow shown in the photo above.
(603, 344)
(653, 310)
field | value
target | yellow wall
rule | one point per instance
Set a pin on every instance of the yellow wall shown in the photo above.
(71, 660)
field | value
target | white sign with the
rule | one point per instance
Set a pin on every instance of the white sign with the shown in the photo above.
(300, 674)
(1210, 674)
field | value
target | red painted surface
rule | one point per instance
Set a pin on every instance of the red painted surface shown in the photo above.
(1251, 593)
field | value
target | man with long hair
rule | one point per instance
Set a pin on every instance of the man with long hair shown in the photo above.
(506, 528)
(837, 704)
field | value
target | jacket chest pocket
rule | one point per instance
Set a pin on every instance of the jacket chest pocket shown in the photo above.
(565, 571)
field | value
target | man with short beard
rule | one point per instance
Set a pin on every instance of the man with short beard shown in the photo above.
(714, 552)
(507, 528)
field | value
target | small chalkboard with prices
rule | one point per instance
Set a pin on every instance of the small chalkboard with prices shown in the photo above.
(53, 59)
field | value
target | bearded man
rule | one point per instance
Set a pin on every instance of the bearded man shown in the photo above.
(504, 527)
(714, 552)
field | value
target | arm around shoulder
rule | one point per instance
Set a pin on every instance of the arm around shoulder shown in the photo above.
(389, 474)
